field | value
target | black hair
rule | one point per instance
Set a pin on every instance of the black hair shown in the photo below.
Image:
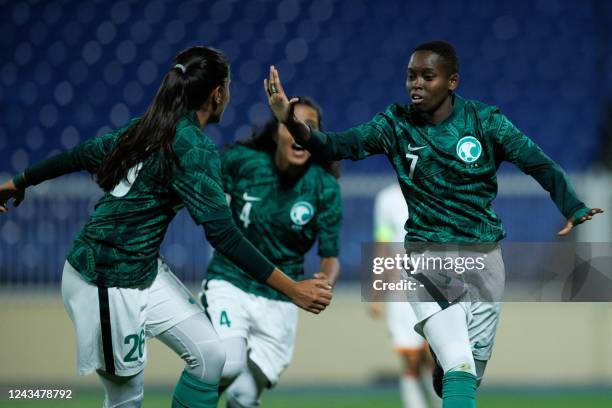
(263, 139)
(445, 50)
(194, 74)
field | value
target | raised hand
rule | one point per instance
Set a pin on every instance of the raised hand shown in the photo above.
(8, 191)
(281, 106)
(579, 218)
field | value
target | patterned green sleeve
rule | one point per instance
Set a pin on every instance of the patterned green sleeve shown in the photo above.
(86, 156)
(91, 154)
(229, 164)
(198, 181)
(519, 149)
(329, 220)
(357, 143)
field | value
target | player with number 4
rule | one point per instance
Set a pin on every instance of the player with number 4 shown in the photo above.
(282, 200)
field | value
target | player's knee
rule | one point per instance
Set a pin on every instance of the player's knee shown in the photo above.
(206, 362)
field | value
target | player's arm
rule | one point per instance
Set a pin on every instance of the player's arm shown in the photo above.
(329, 222)
(230, 163)
(519, 149)
(312, 295)
(329, 269)
(198, 184)
(86, 156)
(356, 143)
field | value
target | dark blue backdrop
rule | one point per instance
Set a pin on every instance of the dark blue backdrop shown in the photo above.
(71, 70)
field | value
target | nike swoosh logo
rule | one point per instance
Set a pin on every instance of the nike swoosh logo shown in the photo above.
(247, 197)
(414, 149)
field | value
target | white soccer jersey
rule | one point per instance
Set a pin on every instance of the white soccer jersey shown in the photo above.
(390, 214)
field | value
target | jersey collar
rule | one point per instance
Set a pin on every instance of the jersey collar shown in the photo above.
(192, 118)
(458, 104)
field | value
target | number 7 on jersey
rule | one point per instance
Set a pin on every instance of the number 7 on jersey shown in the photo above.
(413, 161)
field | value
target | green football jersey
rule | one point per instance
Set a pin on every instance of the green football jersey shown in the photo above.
(120, 243)
(447, 172)
(280, 221)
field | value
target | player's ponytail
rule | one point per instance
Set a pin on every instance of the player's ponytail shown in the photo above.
(195, 73)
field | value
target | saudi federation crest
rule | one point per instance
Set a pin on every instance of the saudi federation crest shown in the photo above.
(301, 213)
(469, 149)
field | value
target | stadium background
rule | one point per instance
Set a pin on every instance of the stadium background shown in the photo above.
(73, 70)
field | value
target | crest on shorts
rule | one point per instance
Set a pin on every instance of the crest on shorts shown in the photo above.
(301, 213)
(469, 149)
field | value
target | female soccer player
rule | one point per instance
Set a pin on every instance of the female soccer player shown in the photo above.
(446, 151)
(116, 288)
(282, 201)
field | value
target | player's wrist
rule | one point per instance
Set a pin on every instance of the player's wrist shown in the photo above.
(579, 214)
(19, 181)
(298, 129)
(282, 283)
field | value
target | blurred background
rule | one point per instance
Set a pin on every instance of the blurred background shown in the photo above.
(73, 70)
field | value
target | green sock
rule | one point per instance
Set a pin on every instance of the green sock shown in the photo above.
(191, 392)
(458, 390)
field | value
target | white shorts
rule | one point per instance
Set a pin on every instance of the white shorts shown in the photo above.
(482, 317)
(111, 324)
(401, 321)
(269, 326)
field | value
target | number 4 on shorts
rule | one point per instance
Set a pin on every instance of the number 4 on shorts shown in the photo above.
(224, 320)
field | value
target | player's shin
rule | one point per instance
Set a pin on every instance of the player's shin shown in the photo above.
(193, 392)
(459, 390)
(447, 334)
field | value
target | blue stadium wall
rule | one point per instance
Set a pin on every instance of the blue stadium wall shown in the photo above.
(72, 70)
